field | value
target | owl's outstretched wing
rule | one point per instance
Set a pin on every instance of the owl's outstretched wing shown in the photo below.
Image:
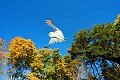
(50, 23)
(52, 41)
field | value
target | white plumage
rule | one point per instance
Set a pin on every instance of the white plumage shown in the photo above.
(56, 36)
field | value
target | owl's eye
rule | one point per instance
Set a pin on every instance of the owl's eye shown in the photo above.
(49, 33)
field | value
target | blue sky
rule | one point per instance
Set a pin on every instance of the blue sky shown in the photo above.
(26, 18)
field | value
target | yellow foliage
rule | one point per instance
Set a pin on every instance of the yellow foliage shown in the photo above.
(36, 63)
(68, 74)
(62, 65)
(76, 61)
(19, 48)
(71, 68)
(45, 52)
(31, 76)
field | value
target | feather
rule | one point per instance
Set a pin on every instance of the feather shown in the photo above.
(49, 22)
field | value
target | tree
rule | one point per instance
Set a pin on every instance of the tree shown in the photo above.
(99, 46)
(26, 62)
(54, 67)
(20, 55)
(111, 73)
(3, 61)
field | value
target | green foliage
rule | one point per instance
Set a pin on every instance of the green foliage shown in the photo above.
(102, 39)
(55, 67)
(99, 44)
(111, 73)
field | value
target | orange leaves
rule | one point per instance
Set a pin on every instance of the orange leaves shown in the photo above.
(71, 66)
(62, 65)
(20, 48)
(24, 54)
(2, 58)
(76, 62)
(1, 43)
(68, 74)
(2, 55)
(21, 45)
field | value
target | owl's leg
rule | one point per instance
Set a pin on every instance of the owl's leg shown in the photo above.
(65, 40)
(46, 46)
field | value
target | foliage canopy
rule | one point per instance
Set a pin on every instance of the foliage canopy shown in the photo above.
(39, 64)
(99, 45)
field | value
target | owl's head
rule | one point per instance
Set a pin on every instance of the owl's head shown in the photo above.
(51, 34)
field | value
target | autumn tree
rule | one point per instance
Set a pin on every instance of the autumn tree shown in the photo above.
(20, 55)
(2, 56)
(54, 68)
(3, 60)
(26, 62)
(99, 49)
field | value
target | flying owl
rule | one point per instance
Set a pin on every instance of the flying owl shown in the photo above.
(56, 36)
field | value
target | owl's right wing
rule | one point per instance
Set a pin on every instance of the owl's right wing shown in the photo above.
(50, 23)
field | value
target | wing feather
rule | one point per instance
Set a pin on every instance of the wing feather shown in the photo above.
(54, 40)
(50, 23)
